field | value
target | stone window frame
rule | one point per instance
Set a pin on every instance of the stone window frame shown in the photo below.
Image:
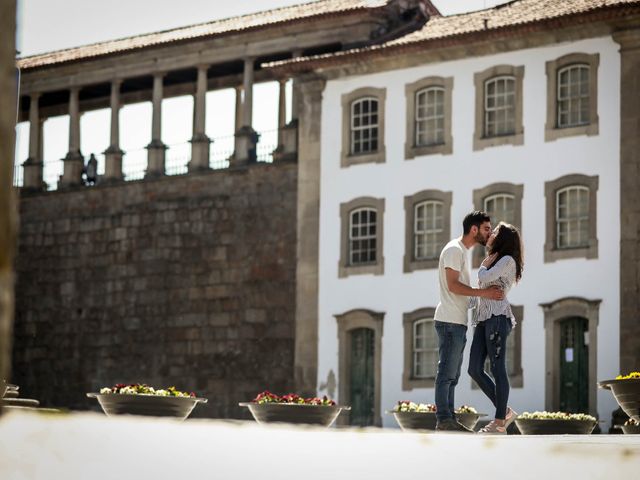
(377, 268)
(346, 158)
(551, 252)
(408, 321)
(351, 320)
(551, 131)
(410, 201)
(554, 313)
(481, 194)
(411, 150)
(480, 142)
(516, 375)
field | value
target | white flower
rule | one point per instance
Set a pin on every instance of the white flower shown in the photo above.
(105, 390)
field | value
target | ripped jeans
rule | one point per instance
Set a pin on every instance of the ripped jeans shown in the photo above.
(490, 340)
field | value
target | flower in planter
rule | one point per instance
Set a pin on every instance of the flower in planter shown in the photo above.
(291, 399)
(143, 389)
(556, 416)
(466, 409)
(631, 422)
(632, 375)
(406, 406)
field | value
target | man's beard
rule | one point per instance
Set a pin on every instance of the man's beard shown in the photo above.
(480, 239)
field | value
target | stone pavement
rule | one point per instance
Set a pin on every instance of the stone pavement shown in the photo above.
(83, 446)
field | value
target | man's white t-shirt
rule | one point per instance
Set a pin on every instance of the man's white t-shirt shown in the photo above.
(453, 308)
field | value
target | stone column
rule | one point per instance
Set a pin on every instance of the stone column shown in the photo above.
(113, 154)
(238, 118)
(295, 91)
(8, 197)
(246, 136)
(200, 142)
(33, 166)
(74, 161)
(308, 226)
(629, 41)
(156, 149)
(287, 148)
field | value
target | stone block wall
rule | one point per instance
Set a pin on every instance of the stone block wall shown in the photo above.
(185, 281)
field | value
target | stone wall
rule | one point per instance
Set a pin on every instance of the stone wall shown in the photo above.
(185, 281)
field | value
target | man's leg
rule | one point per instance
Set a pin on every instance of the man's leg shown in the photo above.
(459, 333)
(451, 342)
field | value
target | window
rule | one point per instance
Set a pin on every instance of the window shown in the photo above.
(361, 242)
(498, 107)
(428, 230)
(425, 349)
(427, 227)
(420, 349)
(503, 203)
(363, 126)
(428, 117)
(362, 236)
(572, 100)
(571, 218)
(573, 96)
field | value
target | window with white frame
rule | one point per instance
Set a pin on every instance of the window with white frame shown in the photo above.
(425, 349)
(572, 217)
(428, 230)
(364, 126)
(573, 96)
(429, 121)
(362, 236)
(501, 207)
(500, 106)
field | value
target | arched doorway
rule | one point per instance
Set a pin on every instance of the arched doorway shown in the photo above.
(571, 339)
(360, 364)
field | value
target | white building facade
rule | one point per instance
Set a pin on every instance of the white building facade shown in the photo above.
(395, 293)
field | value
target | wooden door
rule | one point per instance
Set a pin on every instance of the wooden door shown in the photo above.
(574, 365)
(362, 377)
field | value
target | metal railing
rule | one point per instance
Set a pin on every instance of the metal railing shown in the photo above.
(134, 162)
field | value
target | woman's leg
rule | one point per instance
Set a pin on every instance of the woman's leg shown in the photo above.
(497, 330)
(477, 358)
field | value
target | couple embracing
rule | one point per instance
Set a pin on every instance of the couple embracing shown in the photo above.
(492, 318)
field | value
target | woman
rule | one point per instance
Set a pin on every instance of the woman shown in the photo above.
(493, 321)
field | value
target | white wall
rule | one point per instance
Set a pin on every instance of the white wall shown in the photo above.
(537, 161)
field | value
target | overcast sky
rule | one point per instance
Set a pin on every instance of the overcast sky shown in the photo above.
(48, 25)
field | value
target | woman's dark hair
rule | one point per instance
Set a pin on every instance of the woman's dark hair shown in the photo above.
(507, 242)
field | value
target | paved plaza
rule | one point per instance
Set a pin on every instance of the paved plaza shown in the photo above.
(80, 446)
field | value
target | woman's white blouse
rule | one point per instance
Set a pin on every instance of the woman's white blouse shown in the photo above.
(502, 274)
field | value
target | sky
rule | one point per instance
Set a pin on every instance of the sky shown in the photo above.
(48, 25)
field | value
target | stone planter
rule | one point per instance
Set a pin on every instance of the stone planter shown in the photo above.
(626, 393)
(427, 420)
(531, 426)
(148, 405)
(323, 415)
(631, 429)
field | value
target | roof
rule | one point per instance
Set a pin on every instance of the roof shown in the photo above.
(512, 14)
(292, 14)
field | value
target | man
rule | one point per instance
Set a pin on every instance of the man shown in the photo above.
(451, 313)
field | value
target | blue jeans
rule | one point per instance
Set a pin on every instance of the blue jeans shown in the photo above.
(490, 339)
(452, 338)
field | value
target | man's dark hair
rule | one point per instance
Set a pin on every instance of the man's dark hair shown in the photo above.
(476, 218)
